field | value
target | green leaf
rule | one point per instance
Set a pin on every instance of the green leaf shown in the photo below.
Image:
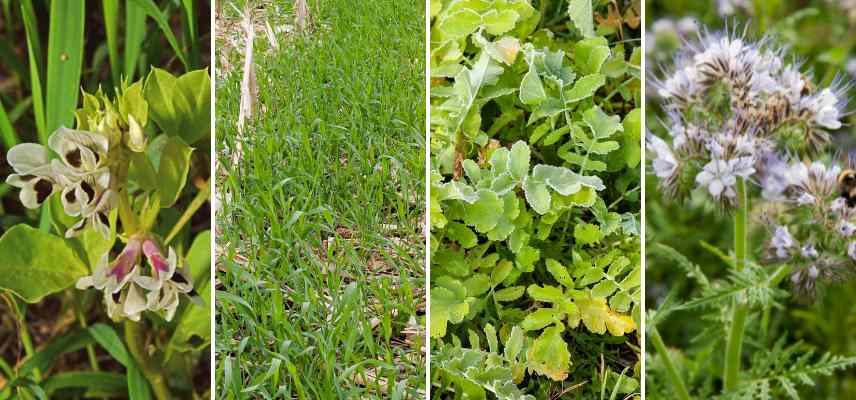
(461, 234)
(65, 62)
(526, 258)
(460, 23)
(559, 272)
(584, 88)
(142, 172)
(604, 289)
(590, 54)
(483, 215)
(587, 234)
(549, 354)
(602, 125)
(36, 264)
(109, 382)
(194, 326)
(150, 8)
(477, 285)
(109, 340)
(180, 106)
(621, 301)
(34, 53)
(497, 22)
(518, 160)
(514, 343)
(500, 272)
(540, 318)
(632, 137)
(546, 293)
(537, 195)
(581, 14)
(531, 89)
(448, 304)
(135, 32)
(49, 353)
(173, 166)
(507, 294)
(563, 180)
(111, 25)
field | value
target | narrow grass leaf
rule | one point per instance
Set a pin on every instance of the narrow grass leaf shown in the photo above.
(111, 26)
(65, 61)
(34, 52)
(152, 10)
(135, 32)
(6, 131)
(93, 381)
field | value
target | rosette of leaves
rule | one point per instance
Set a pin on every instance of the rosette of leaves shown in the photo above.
(535, 146)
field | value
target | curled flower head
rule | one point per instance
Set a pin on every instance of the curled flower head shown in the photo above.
(813, 228)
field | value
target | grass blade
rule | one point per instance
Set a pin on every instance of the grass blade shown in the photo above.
(192, 36)
(34, 51)
(135, 31)
(65, 62)
(152, 10)
(6, 131)
(93, 381)
(111, 25)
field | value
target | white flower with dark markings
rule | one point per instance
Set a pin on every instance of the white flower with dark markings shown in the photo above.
(81, 152)
(34, 174)
(81, 175)
(129, 289)
(168, 281)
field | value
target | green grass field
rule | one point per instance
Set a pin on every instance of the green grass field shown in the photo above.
(320, 274)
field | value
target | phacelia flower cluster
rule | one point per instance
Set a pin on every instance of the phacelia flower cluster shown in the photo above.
(813, 229)
(729, 105)
(129, 288)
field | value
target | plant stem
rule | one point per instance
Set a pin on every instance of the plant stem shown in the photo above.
(197, 202)
(734, 345)
(81, 319)
(674, 376)
(135, 340)
(23, 333)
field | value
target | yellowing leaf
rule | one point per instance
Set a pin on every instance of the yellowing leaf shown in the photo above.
(598, 317)
(549, 354)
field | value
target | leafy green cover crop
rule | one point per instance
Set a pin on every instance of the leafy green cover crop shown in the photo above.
(534, 206)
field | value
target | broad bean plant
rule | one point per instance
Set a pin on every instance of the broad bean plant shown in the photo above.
(115, 206)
